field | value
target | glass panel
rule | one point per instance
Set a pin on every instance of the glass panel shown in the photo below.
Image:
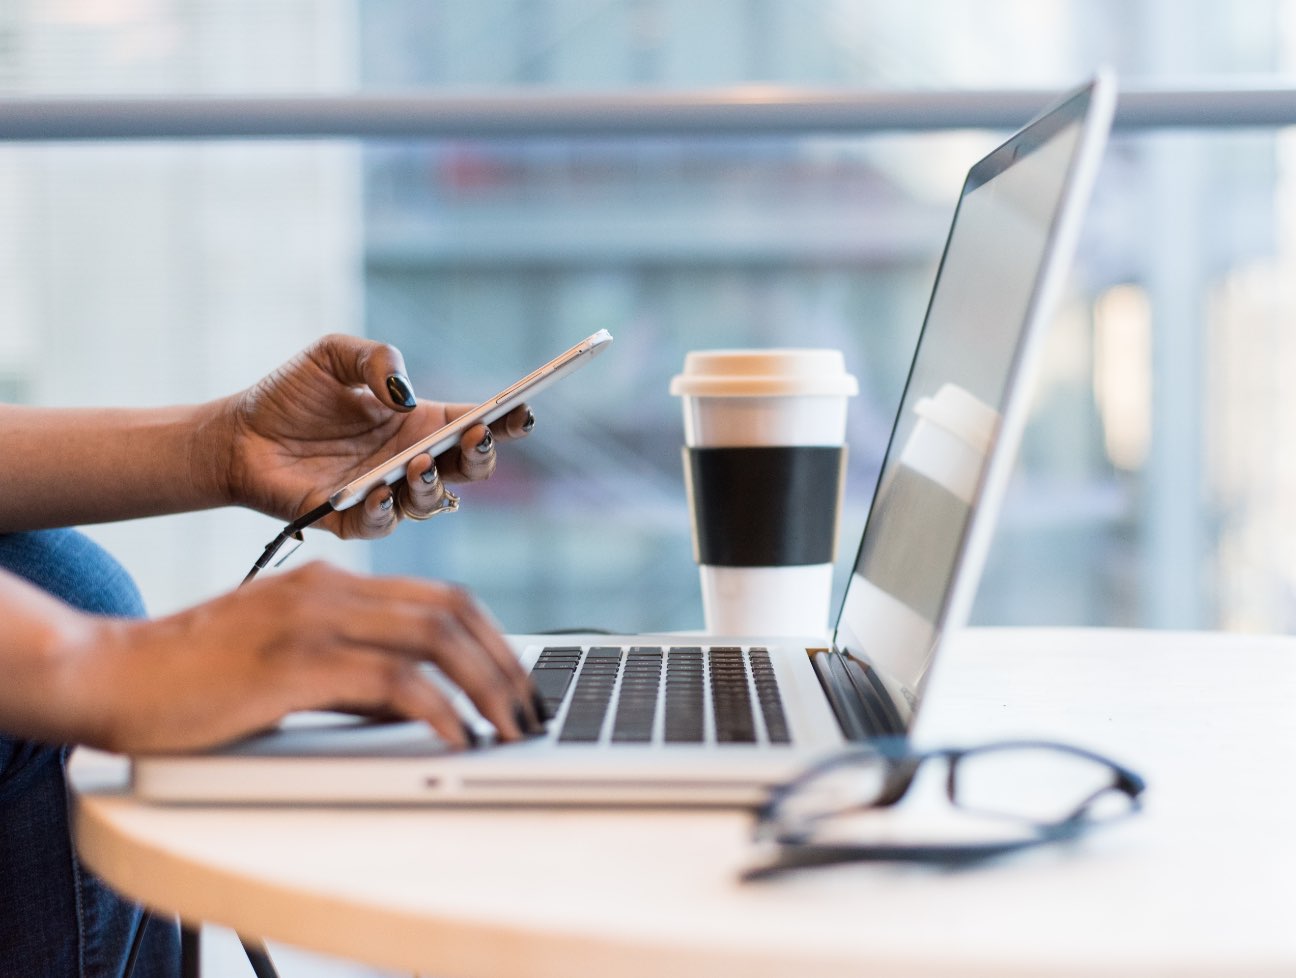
(1153, 487)
(162, 47)
(484, 259)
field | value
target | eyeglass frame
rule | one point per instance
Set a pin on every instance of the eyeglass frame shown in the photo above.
(799, 851)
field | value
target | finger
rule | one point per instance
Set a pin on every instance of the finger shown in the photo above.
(374, 682)
(476, 459)
(441, 623)
(424, 491)
(375, 517)
(516, 424)
(481, 628)
(443, 638)
(416, 619)
(489, 635)
(379, 366)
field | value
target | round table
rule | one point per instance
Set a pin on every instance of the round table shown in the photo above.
(1202, 882)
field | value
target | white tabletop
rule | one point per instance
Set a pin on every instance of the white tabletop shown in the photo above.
(1203, 882)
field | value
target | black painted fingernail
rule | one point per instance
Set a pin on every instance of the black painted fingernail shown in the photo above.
(386, 504)
(401, 392)
(486, 443)
(471, 736)
(541, 710)
(430, 476)
(529, 423)
(525, 723)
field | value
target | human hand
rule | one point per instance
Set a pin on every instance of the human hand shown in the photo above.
(334, 411)
(316, 637)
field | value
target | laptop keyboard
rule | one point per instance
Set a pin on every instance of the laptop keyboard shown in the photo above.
(669, 695)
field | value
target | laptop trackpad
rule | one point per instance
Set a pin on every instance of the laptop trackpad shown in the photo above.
(320, 734)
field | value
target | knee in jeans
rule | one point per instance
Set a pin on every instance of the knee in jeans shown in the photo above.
(72, 567)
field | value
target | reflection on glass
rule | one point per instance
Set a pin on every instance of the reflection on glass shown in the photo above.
(949, 415)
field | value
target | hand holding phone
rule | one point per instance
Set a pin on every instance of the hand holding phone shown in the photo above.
(393, 469)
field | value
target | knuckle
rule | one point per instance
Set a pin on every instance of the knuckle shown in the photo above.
(306, 585)
(316, 572)
(427, 492)
(439, 627)
(395, 674)
(379, 682)
(457, 598)
(330, 350)
(377, 518)
(325, 344)
(380, 357)
(298, 609)
(480, 467)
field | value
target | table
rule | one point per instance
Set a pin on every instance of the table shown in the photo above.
(1203, 882)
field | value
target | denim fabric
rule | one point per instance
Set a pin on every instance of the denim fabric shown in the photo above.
(56, 918)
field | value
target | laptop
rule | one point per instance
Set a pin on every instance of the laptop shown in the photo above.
(675, 720)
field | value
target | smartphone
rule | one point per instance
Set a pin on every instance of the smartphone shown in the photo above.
(393, 470)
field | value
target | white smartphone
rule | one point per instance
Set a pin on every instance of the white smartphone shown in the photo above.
(393, 470)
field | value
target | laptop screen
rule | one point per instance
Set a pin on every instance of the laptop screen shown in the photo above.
(960, 383)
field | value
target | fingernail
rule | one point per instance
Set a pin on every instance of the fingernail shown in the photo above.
(529, 423)
(429, 477)
(401, 392)
(486, 443)
(524, 722)
(470, 735)
(386, 504)
(541, 710)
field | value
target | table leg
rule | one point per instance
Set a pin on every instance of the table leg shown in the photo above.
(258, 958)
(190, 951)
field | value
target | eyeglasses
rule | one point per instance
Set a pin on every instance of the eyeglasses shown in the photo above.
(1009, 795)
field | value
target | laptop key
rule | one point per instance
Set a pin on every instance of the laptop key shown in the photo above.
(591, 696)
(731, 698)
(684, 722)
(551, 683)
(637, 706)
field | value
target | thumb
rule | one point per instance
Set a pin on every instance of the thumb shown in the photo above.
(379, 366)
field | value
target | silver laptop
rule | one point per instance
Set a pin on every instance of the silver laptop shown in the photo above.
(664, 719)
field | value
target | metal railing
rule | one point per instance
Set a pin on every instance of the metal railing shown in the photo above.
(741, 110)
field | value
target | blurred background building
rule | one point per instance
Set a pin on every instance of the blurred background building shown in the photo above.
(1156, 486)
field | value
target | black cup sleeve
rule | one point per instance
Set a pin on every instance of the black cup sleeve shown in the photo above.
(766, 506)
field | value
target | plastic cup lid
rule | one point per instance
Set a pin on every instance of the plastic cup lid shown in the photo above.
(764, 373)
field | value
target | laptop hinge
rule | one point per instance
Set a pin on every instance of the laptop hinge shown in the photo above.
(860, 704)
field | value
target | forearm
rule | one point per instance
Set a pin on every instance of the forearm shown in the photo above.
(38, 692)
(69, 466)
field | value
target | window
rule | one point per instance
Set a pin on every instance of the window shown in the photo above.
(1153, 487)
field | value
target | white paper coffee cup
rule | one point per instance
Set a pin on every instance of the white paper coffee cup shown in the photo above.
(764, 434)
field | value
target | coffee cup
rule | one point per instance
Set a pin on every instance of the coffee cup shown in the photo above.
(764, 466)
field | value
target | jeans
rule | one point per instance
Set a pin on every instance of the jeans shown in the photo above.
(56, 917)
